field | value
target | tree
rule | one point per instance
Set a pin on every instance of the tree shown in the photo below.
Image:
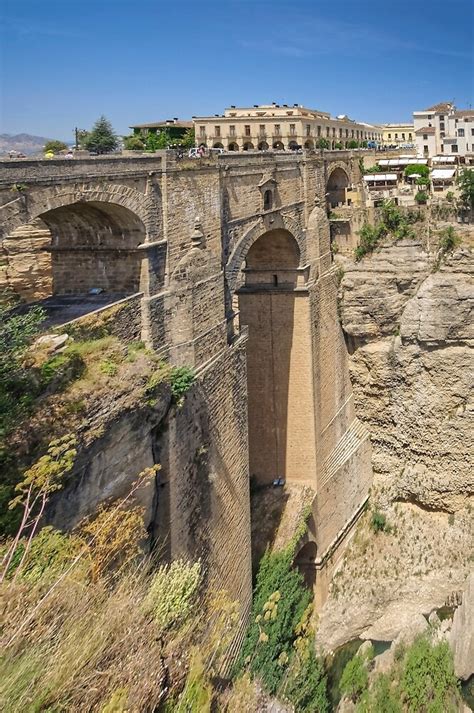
(417, 168)
(322, 144)
(102, 138)
(339, 145)
(55, 146)
(466, 188)
(421, 197)
(134, 143)
(353, 144)
(189, 139)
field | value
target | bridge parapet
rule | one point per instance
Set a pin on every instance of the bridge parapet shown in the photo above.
(62, 170)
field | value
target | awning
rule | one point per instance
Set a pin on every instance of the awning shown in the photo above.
(402, 161)
(443, 159)
(414, 175)
(381, 177)
(442, 173)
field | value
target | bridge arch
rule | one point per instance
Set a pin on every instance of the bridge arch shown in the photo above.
(94, 245)
(241, 247)
(274, 306)
(337, 183)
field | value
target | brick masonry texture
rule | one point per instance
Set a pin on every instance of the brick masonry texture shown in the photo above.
(176, 237)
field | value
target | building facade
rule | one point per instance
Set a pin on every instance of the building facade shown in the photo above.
(280, 127)
(398, 134)
(443, 129)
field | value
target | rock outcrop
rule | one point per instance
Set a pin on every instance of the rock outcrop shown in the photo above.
(461, 636)
(409, 327)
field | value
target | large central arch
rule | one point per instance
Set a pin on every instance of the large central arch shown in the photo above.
(274, 305)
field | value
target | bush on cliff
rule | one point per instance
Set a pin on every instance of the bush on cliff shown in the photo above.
(279, 648)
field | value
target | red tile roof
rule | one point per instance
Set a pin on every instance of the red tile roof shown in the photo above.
(442, 107)
(426, 130)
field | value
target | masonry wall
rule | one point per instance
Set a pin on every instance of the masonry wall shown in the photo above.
(25, 264)
(280, 394)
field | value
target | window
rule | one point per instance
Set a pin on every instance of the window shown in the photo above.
(441, 117)
(460, 132)
(403, 137)
(396, 136)
(472, 132)
(217, 130)
(277, 130)
(425, 137)
(340, 133)
(308, 130)
(442, 134)
(247, 130)
(232, 130)
(267, 200)
(390, 136)
(409, 137)
(292, 129)
(425, 149)
(319, 131)
(262, 129)
(347, 133)
(441, 125)
(454, 148)
(429, 116)
(327, 131)
(202, 131)
(333, 131)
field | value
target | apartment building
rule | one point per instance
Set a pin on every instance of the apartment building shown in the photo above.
(278, 127)
(443, 129)
(398, 134)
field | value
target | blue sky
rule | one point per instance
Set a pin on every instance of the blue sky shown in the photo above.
(65, 62)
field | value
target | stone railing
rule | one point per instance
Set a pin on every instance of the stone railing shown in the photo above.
(39, 170)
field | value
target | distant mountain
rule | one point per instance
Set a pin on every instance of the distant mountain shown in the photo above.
(24, 143)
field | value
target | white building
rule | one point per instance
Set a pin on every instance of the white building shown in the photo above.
(443, 129)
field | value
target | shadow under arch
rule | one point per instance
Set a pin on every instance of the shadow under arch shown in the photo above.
(274, 306)
(94, 245)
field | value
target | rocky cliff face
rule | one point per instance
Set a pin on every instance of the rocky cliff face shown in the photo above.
(409, 328)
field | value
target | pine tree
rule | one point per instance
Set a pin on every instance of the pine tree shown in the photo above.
(102, 138)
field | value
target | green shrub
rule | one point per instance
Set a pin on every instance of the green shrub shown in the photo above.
(428, 682)
(383, 697)
(355, 678)
(280, 600)
(50, 553)
(306, 682)
(448, 239)
(108, 367)
(181, 379)
(391, 215)
(421, 197)
(172, 591)
(370, 237)
(61, 369)
(378, 522)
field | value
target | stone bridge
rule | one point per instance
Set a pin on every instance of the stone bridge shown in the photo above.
(225, 265)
